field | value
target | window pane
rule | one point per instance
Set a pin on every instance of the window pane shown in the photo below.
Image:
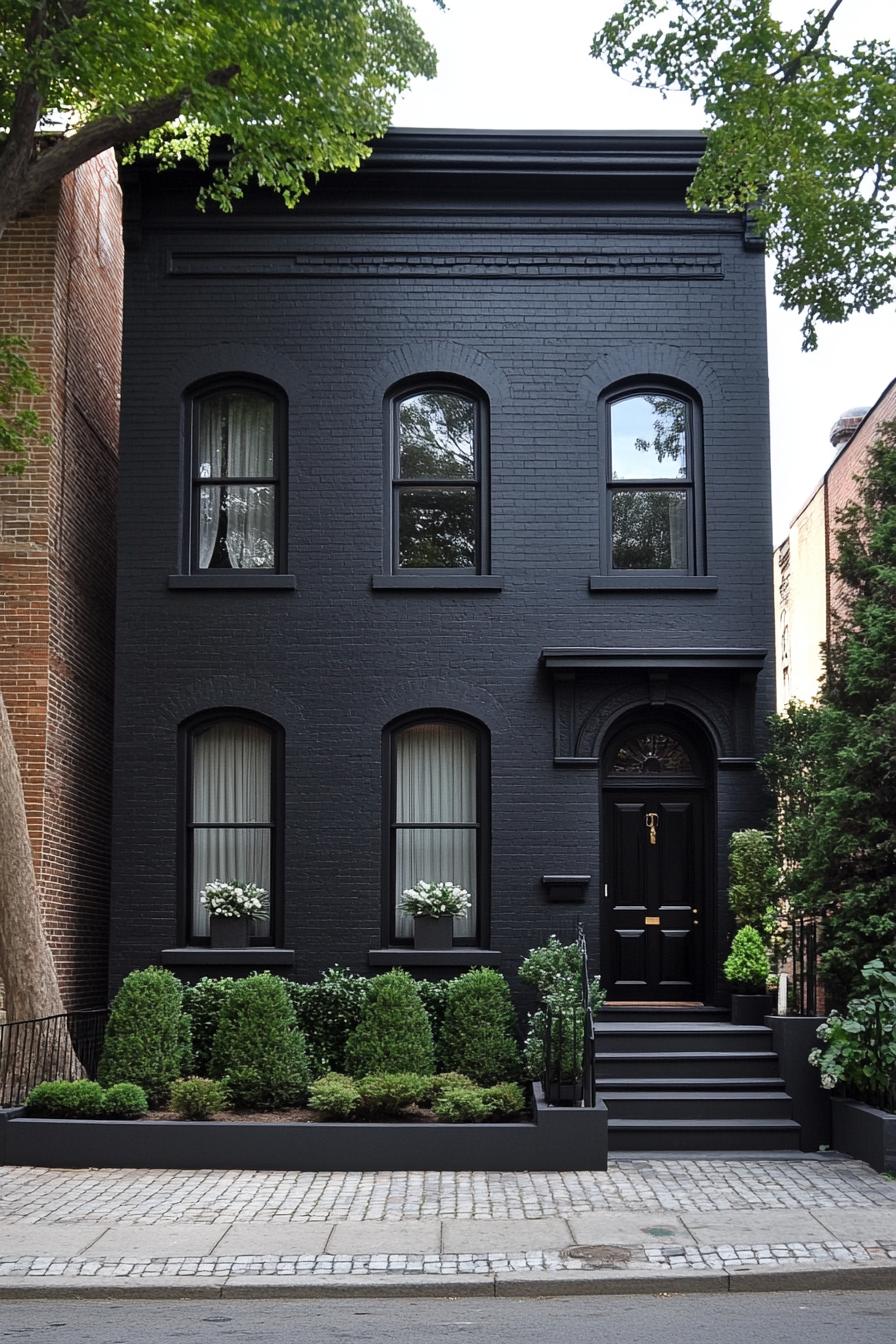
(232, 773)
(236, 526)
(648, 438)
(650, 529)
(437, 528)
(436, 433)
(230, 856)
(430, 855)
(435, 773)
(236, 435)
(652, 754)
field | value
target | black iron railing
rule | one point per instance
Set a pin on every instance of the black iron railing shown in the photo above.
(46, 1049)
(568, 1077)
(804, 960)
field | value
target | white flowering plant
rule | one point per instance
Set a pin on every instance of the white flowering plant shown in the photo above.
(434, 899)
(858, 1050)
(232, 900)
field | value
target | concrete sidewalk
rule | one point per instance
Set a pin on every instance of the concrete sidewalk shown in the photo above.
(645, 1225)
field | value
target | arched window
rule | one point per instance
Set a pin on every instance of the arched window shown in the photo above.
(232, 792)
(437, 462)
(654, 509)
(438, 786)
(656, 751)
(236, 429)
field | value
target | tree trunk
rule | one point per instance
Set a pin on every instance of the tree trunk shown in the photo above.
(26, 962)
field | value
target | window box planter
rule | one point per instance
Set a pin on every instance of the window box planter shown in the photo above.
(433, 935)
(229, 930)
(751, 1010)
(552, 1139)
(864, 1132)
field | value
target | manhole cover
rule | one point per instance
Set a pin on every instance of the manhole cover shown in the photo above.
(599, 1255)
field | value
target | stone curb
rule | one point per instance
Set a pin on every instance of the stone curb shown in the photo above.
(752, 1279)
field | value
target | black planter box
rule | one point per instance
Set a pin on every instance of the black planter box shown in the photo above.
(433, 935)
(554, 1139)
(793, 1038)
(228, 931)
(566, 888)
(864, 1132)
(751, 1010)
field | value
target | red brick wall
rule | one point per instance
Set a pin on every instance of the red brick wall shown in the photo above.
(841, 483)
(60, 285)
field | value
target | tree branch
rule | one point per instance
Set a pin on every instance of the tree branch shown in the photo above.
(102, 134)
(789, 71)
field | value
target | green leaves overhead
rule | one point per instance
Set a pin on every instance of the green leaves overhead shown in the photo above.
(800, 133)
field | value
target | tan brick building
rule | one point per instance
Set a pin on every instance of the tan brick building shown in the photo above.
(60, 287)
(806, 593)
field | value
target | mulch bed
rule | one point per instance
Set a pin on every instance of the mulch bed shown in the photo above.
(300, 1115)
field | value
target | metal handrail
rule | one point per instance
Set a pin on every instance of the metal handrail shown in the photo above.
(49, 1049)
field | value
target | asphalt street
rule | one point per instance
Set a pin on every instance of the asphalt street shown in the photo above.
(781, 1318)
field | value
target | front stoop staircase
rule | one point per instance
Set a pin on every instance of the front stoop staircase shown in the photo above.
(689, 1081)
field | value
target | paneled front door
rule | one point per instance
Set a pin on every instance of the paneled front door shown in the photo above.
(653, 897)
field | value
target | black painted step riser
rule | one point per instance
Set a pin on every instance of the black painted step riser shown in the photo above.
(613, 1040)
(671, 1015)
(695, 1108)
(718, 1141)
(660, 1084)
(663, 1066)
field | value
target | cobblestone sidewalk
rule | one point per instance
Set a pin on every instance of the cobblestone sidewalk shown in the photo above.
(677, 1218)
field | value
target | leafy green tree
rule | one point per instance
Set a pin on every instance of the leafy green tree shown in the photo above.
(800, 133)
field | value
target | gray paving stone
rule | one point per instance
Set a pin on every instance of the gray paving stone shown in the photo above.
(861, 1224)
(130, 1241)
(273, 1238)
(754, 1226)
(48, 1239)
(505, 1234)
(414, 1237)
(619, 1228)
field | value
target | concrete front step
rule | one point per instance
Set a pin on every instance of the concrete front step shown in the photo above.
(694, 1104)
(744, 1136)
(685, 1063)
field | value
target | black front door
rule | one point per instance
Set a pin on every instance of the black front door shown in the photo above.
(652, 907)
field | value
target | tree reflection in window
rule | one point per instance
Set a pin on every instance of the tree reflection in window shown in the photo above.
(651, 753)
(436, 481)
(650, 483)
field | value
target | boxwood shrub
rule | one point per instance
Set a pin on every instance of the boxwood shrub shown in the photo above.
(82, 1100)
(477, 1036)
(335, 1096)
(327, 1011)
(202, 1004)
(198, 1098)
(124, 1101)
(147, 1037)
(393, 1034)
(258, 1049)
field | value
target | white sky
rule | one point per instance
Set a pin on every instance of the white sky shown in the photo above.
(525, 64)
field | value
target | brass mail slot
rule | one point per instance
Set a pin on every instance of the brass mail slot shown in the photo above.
(651, 919)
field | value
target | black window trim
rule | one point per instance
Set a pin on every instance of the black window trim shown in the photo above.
(482, 825)
(393, 482)
(186, 736)
(692, 484)
(193, 397)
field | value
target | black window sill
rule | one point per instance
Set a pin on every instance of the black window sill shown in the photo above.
(228, 956)
(643, 583)
(232, 579)
(449, 956)
(483, 583)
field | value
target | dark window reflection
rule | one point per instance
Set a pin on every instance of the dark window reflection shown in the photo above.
(437, 437)
(437, 528)
(436, 499)
(650, 529)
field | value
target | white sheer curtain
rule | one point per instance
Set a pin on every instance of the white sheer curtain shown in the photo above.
(232, 787)
(236, 441)
(435, 785)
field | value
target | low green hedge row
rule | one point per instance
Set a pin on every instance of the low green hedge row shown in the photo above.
(85, 1100)
(453, 1097)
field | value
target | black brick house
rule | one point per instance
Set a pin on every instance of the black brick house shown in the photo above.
(444, 548)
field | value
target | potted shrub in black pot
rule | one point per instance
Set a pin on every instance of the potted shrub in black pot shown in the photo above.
(434, 906)
(747, 969)
(231, 908)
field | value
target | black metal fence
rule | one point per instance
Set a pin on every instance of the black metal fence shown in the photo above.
(568, 1076)
(47, 1049)
(804, 961)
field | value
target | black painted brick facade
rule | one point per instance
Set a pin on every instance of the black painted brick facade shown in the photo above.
(333, 662)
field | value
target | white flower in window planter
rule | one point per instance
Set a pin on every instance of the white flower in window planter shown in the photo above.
(230, 906)
(434, 907)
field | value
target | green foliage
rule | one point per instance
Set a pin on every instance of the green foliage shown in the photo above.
(801, 135)
(258, 1049)
(753, 884)
(147, 1034)
(198, 1098)
(440, 1081)
(567, 1042)
(389, 1093)
(504, 1099)
(335, 1096)
(433, 996)
(858, 1054)
(553, 968)
(326, 1012)
(296, 90)
(81, 1100)
(462, 1105)
(19, 421)
(125, 1101)
(202, 1004)
(834, 774)
(478, 1031)
(393, 1034)
(747, 966)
